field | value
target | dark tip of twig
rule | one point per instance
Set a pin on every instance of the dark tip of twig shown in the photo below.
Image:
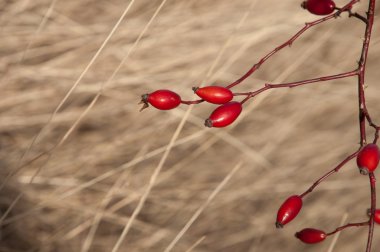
(144, 106)
(144, 100)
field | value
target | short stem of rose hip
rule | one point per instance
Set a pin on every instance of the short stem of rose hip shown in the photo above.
(372, 124)
(358, 16)
(369, 120)
(376, 136)
(359, 224)
(372, 181)
(252, 94)
(192, 102)
(328, 174)
(289, 43)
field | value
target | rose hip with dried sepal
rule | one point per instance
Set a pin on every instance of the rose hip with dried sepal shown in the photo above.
(161, 99)
(288, 210)
(368, 158)
(311, 235)
(224, 115)
(319, 7)
(214, 94)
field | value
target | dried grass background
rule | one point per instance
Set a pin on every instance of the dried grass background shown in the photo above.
(94, 178)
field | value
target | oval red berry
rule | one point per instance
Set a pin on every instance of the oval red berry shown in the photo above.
(288, 210)
(214, 94)
(224, 115)
(368, 158)
(311, 235)
(319, 7)
(162, 99)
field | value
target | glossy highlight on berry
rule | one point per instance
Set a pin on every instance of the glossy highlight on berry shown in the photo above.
(319, 7)
(288, 210)
(161, 99)
(214, 94)
(311, 235)
(224, 115)
(368, 158)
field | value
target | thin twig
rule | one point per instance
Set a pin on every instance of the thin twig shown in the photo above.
(289, 43)
(328, 174)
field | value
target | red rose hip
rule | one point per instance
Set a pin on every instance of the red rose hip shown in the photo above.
(319, 7)
(161, 99)
(377, 216)
(224, 115)
(311, 235)
(288, 210)
(214, 94)
(368, 158)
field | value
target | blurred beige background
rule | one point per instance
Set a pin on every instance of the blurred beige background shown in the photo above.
(91, 182)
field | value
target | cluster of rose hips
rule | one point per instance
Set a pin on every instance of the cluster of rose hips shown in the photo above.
(228, 111)
(222, 116)
(367, 161)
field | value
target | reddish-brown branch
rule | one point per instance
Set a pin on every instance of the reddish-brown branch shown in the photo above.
(363, 111)
(268, 86)
(361, 77)
(309, 81)
(290, 42)
(328, 174)
(358, 224)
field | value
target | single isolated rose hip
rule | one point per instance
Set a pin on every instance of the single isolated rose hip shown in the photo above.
(214, 94)
(224, 115)
(161, 99)
(288, 210)
(319, 7)
(368, 158)
(311, 235)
